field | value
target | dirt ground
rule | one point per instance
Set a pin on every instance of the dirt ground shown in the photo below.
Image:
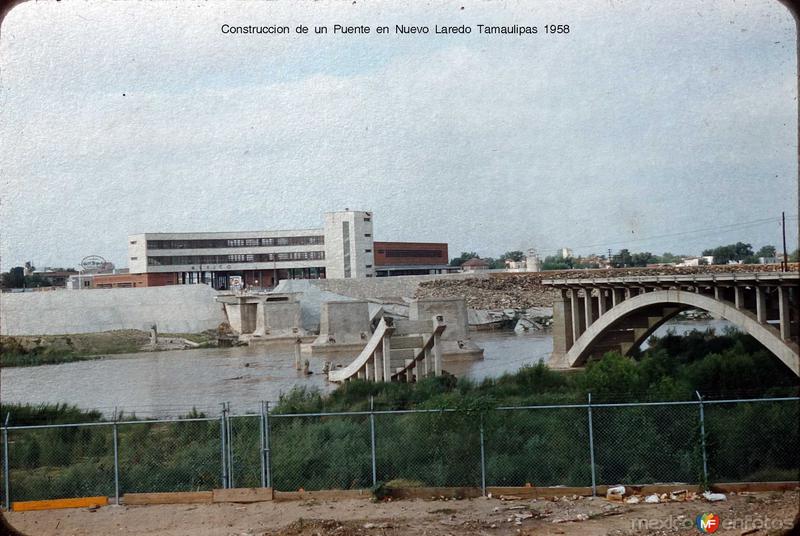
(740, 514)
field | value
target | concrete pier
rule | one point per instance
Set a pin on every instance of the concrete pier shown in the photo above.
(344, 326)
(456, 343)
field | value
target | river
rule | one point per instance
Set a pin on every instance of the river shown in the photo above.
(171, 383)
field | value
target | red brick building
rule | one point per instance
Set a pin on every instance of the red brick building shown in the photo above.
(411, 258)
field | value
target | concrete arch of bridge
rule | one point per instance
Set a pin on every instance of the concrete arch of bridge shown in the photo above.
(767, 335)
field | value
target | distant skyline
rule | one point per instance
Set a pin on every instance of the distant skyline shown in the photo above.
(647, 120)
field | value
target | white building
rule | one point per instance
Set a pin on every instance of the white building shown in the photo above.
(340, 249)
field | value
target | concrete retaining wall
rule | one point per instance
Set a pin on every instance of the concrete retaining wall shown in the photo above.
(174, 309)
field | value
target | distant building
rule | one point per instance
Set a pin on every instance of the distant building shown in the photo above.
(117, 279)
(411, 258)
(532, 261)
(696, 261)
(771, 260)
(475, 265)
(54, 278)
(566, 253)
(516, 266)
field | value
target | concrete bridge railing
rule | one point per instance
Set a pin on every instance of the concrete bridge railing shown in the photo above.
(375, 362)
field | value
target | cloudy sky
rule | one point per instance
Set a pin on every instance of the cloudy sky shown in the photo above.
(660, 126)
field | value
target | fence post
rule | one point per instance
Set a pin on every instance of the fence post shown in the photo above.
(267, 453)
(6, 476)
(223, 456)
(261, 446)
(372, 440)
(229, 443)
(703, 438)
(116, 460)
(483, 460)
(591, 448)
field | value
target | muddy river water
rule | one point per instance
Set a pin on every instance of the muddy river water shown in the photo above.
(173, 382)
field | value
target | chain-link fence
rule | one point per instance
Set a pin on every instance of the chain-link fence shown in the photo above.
(574, 445)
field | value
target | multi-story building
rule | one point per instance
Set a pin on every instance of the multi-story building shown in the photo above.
(342, 248)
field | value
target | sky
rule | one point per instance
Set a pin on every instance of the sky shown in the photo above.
(656, 126)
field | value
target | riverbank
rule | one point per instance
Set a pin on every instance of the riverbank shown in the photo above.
(34, 350)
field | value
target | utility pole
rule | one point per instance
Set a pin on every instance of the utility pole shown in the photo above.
(785, 261)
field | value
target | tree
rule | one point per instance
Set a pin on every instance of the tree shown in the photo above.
(556, 262)
(642, 259)
(621, 259)
(14, 278)
(669, 258)
(732, 252)
(465, 256)
(766, 251)
(515, 256)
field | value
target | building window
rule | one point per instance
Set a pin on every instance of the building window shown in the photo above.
(369, 266)
(251, 242)
(367, 251)
(430, 253)
(367, 219)
(367, 234)
(133, 242)
(134, 258)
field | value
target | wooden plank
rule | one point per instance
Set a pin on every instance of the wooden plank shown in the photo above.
(328, 494)
(52, 504)
(183, 497)
(242, 495)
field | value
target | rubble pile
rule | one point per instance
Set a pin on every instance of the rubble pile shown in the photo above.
(520, 292)
(524, 290)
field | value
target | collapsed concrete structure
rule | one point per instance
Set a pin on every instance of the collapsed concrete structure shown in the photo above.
(344, 326)
(264, 318)
(456, 342)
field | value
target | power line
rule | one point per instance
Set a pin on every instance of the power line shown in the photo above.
(704, 230)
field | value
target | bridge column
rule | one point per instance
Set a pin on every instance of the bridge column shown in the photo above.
(587, 306)
(437, 354)
(738, 297)
(617, 296)
(575, 310)
(386, 352)
(761, 304)
(562, 325)
(601, 302)
(783, 312)
(378, 363)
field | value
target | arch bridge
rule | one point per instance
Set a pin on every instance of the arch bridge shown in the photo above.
(596, 315)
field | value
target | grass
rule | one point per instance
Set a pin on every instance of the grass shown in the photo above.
(28, 351)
